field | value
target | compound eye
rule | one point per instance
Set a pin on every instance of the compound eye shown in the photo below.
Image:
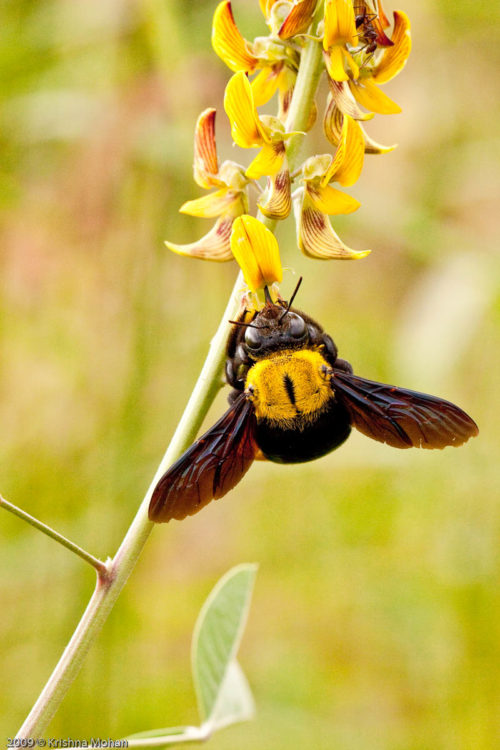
(253, 338)
(297, 326)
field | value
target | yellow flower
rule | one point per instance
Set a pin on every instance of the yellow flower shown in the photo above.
(229, 44)
(334, 118)
(274, 57)
(377, 68)
(227, 202)
(251, 131)
(257, 253)
(297, 18)
(318, 199)
(340, 31)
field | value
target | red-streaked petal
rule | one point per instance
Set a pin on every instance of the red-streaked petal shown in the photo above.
(345, 101)
(382, 18)
(316, 237)
(379, 23)
(276, 201)
(298, 20)
(215, 245)
(332, 125)
(395, 57)
(205, 165)
(332, 122)
(228, 43)
(286, 85)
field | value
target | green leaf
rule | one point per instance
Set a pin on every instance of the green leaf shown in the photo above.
(152, 733)
(235, 701)
(221, 688)
(168, 736)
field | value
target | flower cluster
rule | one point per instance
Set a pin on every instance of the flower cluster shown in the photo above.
(359, 54)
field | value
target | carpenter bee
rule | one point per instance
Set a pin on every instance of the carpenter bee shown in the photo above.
(293, 400)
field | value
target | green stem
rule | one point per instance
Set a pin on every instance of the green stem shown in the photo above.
(99, 565)
(305, 89)
(208, 384)
(108, 589)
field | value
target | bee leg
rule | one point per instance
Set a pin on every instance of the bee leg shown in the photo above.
(330, 349)
(233, 396)
(232, 376)
(344, 365)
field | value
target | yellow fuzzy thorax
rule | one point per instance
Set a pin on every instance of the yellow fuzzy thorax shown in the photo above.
(289, 387)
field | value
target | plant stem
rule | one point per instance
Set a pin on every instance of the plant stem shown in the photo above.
(305, 89)
(208, 384)
(108, 589)
(99, 565)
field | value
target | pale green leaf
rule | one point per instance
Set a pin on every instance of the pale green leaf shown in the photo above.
(216, 638)
(235, 701)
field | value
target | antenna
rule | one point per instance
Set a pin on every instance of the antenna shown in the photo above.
(291, 299)
(242, 323)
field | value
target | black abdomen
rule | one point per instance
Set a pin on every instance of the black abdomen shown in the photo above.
(290, 446)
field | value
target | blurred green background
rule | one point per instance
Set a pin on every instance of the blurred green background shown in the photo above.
(376, 618)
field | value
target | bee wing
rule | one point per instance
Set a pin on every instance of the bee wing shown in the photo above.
(211, 467)
(400, 417)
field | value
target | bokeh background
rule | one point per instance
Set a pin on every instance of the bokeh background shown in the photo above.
(376, 619)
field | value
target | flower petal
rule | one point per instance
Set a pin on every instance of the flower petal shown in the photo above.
(332, 125)
(246, 128)
(209, 206)
(316, 237)
(348, 161)
(339, 156)
(345, 101)
(276, 201)
(372, 147)
(354, 154)
(286, 85)
(394, 58)
(228, 43)
(298, 20)
(382, 18)
(340, 24)
(264, 85)
(256, 251)
(329, 200)
(268, 161)
(266, 7)
(382, 38)
(215, 245)
(332, 122)
(334, 61)
(205, 165)
(369, 15)
(368, 94)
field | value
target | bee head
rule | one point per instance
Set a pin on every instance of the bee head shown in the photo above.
(275, 327)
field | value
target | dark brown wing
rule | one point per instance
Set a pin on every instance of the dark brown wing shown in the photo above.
(209, 468)
(399, 417)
